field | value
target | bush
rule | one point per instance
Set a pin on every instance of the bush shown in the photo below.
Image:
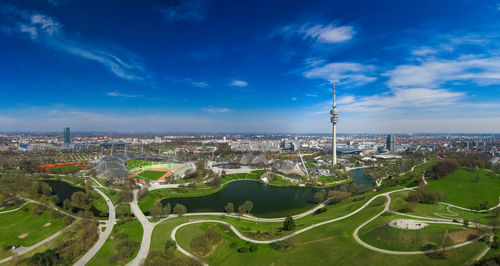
(319, 211)
(283, 244)
(253, 248)
(243, 250)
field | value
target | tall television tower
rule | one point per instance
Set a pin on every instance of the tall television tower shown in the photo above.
(334, 119)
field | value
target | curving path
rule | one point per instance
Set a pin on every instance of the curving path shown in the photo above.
(102, 236)
(24, 250)
(16, 209)
(147, 228)
(355, 234)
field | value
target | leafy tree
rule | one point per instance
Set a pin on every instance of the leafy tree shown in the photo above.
(229, 208)
(180, 209)
(170, 248)
(319, 196)
(289, 224)
(156, 210)
(246, 207)
(167, 209)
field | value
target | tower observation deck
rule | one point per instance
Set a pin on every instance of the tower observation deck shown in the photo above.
(334, 120)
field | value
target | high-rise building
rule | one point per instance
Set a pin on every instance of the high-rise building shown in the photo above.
(334, 120)
(390, 142)
(67, 136)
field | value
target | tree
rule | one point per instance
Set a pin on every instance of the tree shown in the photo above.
(337, 196)
(289, 224)
(156, 210)
(166, 210)
(320, 196)
(170, 248)
(494, 218)
(229, 208)
(246, 207)
(180, 209)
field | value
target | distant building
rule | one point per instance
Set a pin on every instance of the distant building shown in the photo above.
(67, 135)
(390, 143)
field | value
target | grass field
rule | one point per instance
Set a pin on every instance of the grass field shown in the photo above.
(131, 164)
(399, 203)
(381, 235)
(330, 244)
(130, 230)
(23, 228)
(463, 190)
(152, 175)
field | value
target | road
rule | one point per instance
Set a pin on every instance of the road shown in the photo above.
(102, 236)
(147, 227)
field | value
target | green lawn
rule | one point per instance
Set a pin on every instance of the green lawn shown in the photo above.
(152, 175)
(462, 189)
(399, 203)
(131, 230)
(16, 224)
(381, 235)
(330, 244)
(131, 164)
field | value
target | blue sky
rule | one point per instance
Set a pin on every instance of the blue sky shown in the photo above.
(250, 66)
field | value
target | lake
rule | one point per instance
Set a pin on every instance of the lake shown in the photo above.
(268, 201)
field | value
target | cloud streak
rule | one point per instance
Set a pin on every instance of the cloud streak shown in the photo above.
(46, 30)
(238, 83)
(329, 33)
(184, 10)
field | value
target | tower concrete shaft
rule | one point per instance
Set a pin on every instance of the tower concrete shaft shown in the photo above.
(334, 120)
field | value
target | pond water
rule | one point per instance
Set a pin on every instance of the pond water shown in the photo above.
(360, 178)
(64, 191)
(268, 201)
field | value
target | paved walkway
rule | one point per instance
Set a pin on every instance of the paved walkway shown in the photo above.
(23, 250)
(102, 236)
(147, 227)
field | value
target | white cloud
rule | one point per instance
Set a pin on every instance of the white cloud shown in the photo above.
(294, 98)
(119, 94)
(194, 10)
(433, 73)
(199, 84)
(346, 73)
(321, 33)
(239, 83)
(216, 110)
(57, 2)
(311, 95)
(46, 30)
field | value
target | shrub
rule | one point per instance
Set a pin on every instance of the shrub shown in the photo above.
(253, 248)
(243, 250)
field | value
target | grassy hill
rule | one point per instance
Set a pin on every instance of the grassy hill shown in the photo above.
(469, 189)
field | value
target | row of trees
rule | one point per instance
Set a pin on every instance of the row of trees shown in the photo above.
(333, 196)
(159, 210)
(246, 207)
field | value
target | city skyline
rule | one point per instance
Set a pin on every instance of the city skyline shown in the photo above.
(211, 67)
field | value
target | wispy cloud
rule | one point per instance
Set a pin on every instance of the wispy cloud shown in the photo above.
(57, 2)
(397, 99)
(311, 95)
(189, 81)
(46, 30)
(216, 110)
(120, 94)
(433, 73)
(347, 73)
(329, 33)
(239, 83)
(182, 10)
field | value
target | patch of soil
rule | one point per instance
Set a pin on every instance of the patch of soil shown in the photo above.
(47, 224)
(21, 236)
(464, 235)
